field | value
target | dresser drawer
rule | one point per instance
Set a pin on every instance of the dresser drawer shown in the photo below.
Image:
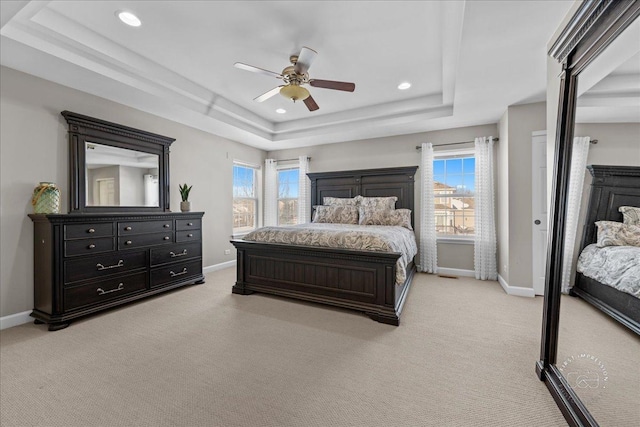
(173, 253)
(176, 272)
(141, 240)
(104, 290)
(88, 246)
(188, 224)
(188, 236)
(103, 265)
(139, 227)
(82, 231)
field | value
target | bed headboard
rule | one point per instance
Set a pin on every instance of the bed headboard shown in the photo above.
(611, 187)
(365, 182)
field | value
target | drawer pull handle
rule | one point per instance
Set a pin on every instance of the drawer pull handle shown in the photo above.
(166, 226)
(175, 255)
(101, 267)
(190, 235)
(166, 237)
(91, 246)
(184, 271)
(127, 229)
(119, 288)
(189, 224)
(128, 242)
(91, 230)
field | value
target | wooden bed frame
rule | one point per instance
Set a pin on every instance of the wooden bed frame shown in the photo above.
(612, 187)
(358, 280)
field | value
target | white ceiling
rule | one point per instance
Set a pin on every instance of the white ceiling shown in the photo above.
(609, 87)
(467, 61)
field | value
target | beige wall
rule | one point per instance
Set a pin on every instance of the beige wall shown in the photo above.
(502, 197)
(33, 148)
(523, 121)
(514, 192)
(390, 152)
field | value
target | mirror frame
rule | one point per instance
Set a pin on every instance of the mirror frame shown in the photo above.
(84, 129)
(595, 24)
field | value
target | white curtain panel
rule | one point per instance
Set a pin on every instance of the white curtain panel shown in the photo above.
(579, 154)
(428, 238)
(270, 192)
(485, 236)
(304, 192)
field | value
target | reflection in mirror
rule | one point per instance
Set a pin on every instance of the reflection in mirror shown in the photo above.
(597, 355)
(120, 177)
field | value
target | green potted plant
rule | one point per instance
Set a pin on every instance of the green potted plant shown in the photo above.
(185, 205)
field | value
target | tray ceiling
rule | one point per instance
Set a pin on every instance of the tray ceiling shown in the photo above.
(466, 61)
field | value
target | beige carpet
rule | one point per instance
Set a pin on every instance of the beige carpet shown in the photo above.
(201, 356)
(595, 346)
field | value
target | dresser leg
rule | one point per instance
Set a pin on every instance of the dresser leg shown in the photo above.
(199, 282)
(57, 326)
(38, 322)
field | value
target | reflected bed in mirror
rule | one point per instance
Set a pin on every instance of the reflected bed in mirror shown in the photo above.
(120, 177)
(116, 168)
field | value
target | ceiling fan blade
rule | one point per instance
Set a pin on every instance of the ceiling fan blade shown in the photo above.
(268, 95)
(311, 103)
(329, 84)
(305, 59)
(257, 70)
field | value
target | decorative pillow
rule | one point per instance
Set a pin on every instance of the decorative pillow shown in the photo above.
(374, 216)
(337, 201)
(611, 233)
(630, 215)
(384, 203)
(336, 214)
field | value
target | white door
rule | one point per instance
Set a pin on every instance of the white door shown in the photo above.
(539, 209)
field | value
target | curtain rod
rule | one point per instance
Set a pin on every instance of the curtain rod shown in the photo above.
(419, 147)
(290, 160)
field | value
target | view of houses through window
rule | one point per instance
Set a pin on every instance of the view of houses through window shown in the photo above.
(287, 196)
(245, 200)
(454, 194)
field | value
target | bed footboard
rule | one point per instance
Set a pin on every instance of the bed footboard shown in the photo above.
(357, 280)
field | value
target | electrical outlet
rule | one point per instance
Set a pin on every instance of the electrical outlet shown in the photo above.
(227, 251)
(505, 268)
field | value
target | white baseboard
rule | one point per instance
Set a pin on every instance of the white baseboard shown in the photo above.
(15, 319)
(456, 272)
(516, 290)
(217, 267)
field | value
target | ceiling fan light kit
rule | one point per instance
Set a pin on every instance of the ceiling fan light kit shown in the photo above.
(294, 76)
(294, 92)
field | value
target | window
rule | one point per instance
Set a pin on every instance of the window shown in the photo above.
(287, 196)
(245, 200)
(454, 194)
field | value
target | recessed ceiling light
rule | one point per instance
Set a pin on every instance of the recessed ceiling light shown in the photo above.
(281, 111)
(404, 85)
(129, 18)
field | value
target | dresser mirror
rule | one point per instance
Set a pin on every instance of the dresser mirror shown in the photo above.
(590, 346)
(115, 168)
(121, 177)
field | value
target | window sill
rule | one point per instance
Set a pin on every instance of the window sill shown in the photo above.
(456, 240)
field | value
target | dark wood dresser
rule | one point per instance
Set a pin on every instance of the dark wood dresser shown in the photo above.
(84, 263)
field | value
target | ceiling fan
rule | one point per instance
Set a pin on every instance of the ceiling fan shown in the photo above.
(294, 76)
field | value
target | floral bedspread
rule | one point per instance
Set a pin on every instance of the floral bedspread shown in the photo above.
(616, 266)
(377, 238)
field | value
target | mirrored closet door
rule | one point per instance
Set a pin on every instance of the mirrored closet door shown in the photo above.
(597, 355)
(590, 348)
